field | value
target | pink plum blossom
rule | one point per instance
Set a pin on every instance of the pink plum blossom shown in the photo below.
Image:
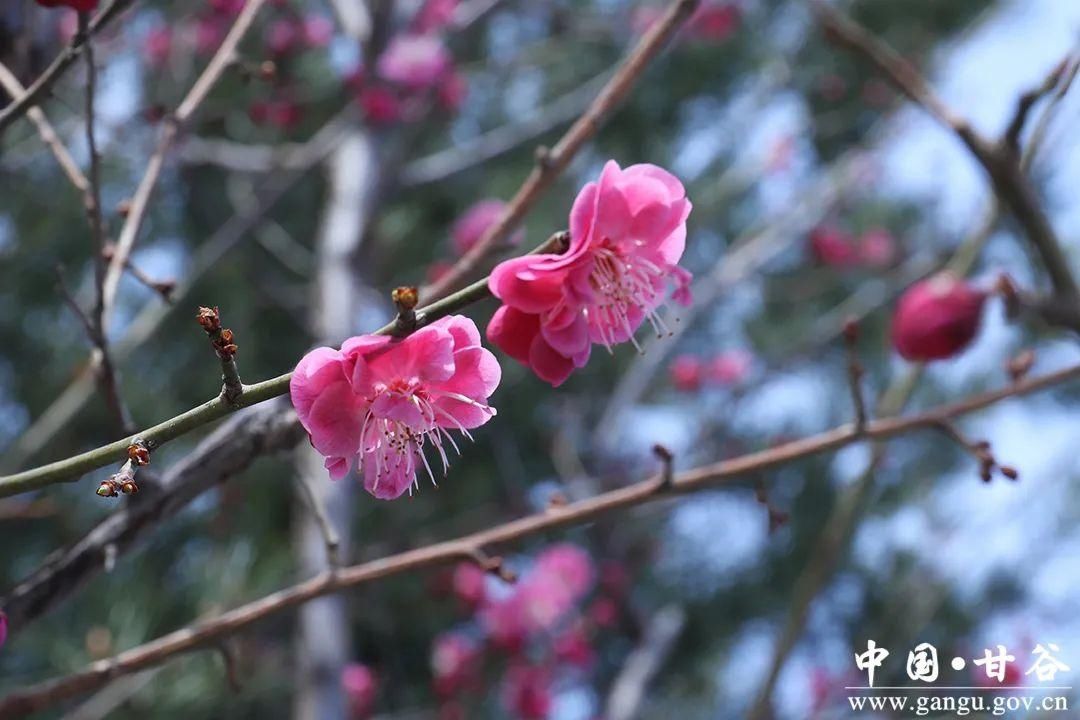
(627, 235)
(527, 692)
(715, 21)
(283, 37)
(435, 15)
(318, 30)
(469, 584)
(559, 578)
(416, 62)
(380, 105)
(833, 246)
(730, 367)
(360, 686)
(877, 248)
(452, 91)
(455, 663)
(475, 222)
(686, 373)
(574, 648)
(157, 46)
(381, 404)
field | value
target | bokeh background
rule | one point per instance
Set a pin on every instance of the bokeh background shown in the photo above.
(304, 193)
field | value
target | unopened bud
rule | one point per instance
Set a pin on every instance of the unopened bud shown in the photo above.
(107, 489)
(405, 297)
(209, 319)
(138, 454)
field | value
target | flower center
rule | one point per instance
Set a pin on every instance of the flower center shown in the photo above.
(396, 445)
(624, 282)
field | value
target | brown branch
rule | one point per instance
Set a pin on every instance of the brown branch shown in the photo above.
(39, 89)
(551, 163)
(43, 695)
(140, 202)
(997, 157)
(226, 452)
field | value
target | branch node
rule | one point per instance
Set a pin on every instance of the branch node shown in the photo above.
(543, 158)
(667, 471)
(1019, 366)
(855, 373)
(224, 343)
(405, 298)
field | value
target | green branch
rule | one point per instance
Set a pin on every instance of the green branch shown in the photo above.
(71, 469)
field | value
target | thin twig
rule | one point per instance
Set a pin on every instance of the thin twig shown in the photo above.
(997, 157)
(43, 695)
(318, 510)
(628, 691)
(551, 163)
(223, 341)
(855, 372)
(48, 134)
(40, 87)
(140, 201)
(72, 468)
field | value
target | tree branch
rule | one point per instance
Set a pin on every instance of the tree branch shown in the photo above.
(40, 87)
(998, 158)
(140, 202)
(43, 695)
(551, 163)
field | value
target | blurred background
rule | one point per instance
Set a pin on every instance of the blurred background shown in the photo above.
(319, 175)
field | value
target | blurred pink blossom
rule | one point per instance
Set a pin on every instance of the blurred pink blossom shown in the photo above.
(380, 105)
(435, 15)
(469, 584)
(877, 248)
(318, 30)
(527, 692)
(685, 372)
(475, 222)
(455, 664)
(283, 37)
(416, 62)
(730, 367)
(360, 685)
(157, 46)
(937, 318)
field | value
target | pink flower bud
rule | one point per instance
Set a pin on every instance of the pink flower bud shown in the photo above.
(380, 105)
(937, 318)
(283, 37)
(360, 685)
(686, 373)
(527, 692)
(318, 31)
(157, 46)
(730, 368)
(469, 584)
(830, 245)
(876, 248)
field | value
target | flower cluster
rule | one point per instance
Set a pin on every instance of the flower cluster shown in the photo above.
(539, 628)
(689, 373)
(415, 67)
(382, 404)
(627, 235)
(834, 246)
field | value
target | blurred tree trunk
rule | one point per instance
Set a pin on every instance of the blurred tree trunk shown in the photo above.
(323, 645)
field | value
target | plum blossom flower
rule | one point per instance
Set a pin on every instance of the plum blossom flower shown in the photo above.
(937, 318)
(469, 584)
(416, 62)
(559, 578)
(157, 46)
(382, 404)
(628, 233)
(455, 663)
(686, 373)
(360, 686)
